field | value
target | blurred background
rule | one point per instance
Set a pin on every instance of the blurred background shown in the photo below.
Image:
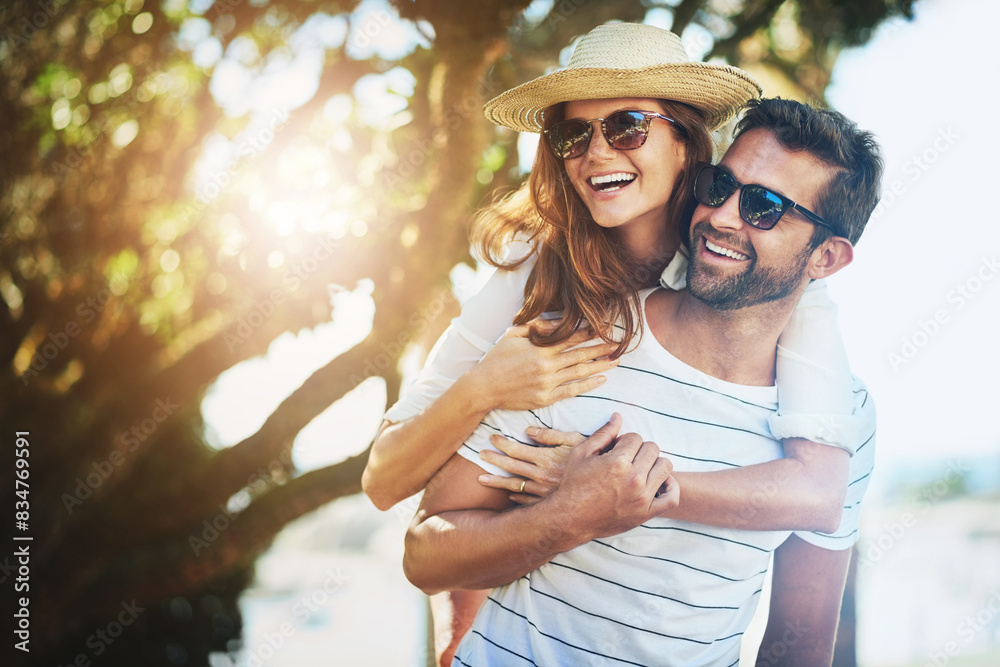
(231, 230)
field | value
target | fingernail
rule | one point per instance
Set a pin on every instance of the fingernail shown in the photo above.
(601, 379)
(483, 479)
(532, 430)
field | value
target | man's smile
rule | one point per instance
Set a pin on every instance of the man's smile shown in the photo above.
(725, 252)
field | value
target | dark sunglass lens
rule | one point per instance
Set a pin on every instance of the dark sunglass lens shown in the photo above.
(760, 207)
(626, 130)
(569, 139)
(713, 186)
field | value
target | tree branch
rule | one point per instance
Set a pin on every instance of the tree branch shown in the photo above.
(683, 14)
(148, 572)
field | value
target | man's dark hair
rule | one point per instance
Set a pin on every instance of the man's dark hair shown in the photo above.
(854, 190)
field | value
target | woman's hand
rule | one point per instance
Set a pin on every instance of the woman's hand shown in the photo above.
(518, 375)
(540, 469)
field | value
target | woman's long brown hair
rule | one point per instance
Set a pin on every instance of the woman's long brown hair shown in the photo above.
(582, 269)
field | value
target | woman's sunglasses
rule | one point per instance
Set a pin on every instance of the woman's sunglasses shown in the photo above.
(759, 206)
(624, 130)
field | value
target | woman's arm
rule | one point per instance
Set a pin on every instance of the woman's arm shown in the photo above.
(819, 417)
(803, 491)
(513, 375)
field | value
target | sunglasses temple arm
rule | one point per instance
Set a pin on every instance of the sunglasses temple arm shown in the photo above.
(815, 219)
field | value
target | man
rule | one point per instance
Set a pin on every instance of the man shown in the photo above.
(595, 572)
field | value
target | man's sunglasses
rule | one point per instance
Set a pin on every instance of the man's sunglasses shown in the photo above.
(624, 130)
(759, 206)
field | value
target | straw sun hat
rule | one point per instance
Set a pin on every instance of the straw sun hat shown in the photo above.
(627, 60)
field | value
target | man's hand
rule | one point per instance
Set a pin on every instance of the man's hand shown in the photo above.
(613, 484)
(463, 535)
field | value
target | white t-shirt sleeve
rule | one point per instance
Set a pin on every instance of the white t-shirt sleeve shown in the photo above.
(485, 317)
(859, 475)
(815, 399)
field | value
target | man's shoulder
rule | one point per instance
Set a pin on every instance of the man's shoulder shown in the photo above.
(655, 304)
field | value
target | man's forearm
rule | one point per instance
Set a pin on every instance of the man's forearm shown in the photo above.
(466, 536)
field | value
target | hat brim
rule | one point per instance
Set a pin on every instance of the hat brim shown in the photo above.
(718, 91)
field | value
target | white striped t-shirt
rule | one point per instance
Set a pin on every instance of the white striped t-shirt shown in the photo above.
(667, 592)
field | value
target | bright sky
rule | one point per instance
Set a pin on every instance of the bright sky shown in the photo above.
(918, 308)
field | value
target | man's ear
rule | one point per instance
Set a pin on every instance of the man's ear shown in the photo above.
(831, 256)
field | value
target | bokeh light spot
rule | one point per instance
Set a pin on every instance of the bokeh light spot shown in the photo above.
(125, 133)
(170, 260)
(142, 23)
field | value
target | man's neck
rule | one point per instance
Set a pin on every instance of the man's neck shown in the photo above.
(737, 346)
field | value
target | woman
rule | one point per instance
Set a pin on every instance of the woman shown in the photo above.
(600, 214)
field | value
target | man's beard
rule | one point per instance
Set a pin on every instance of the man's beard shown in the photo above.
(753, 286)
